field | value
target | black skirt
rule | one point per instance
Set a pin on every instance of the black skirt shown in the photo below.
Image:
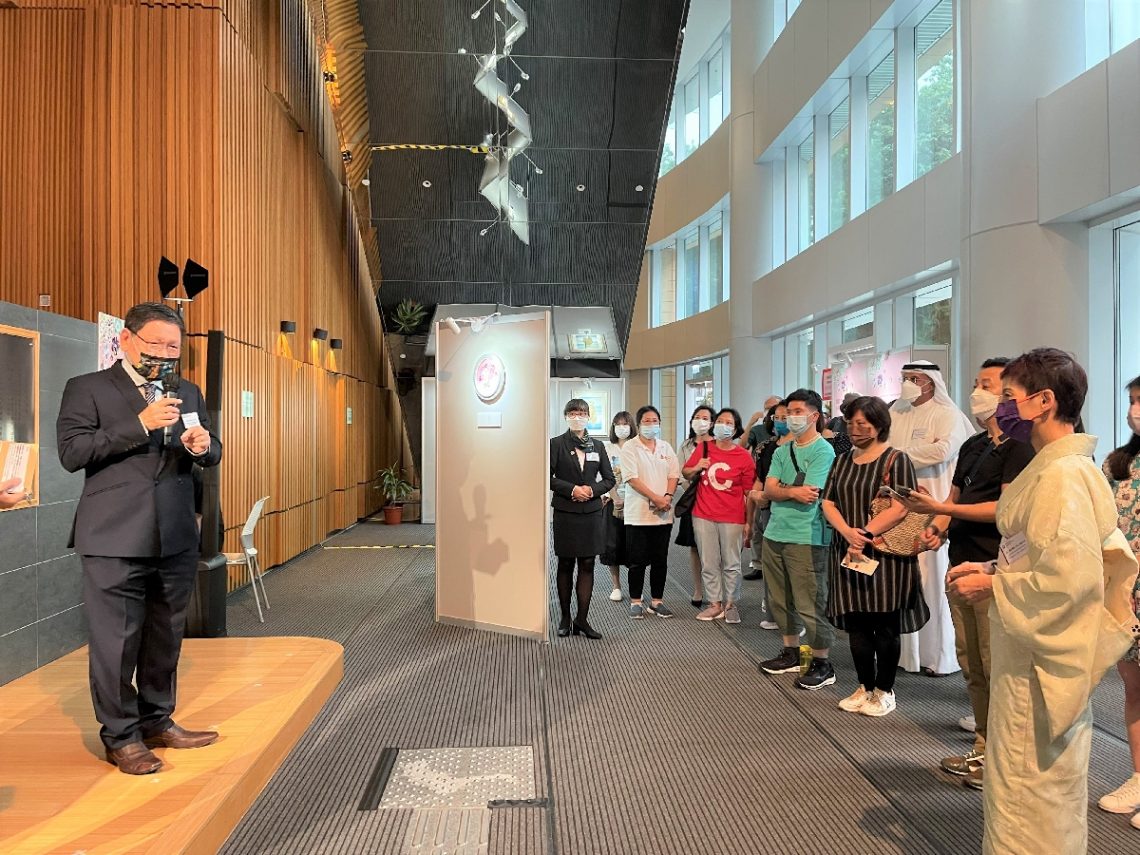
(685, 535)
(578, 535)
(614, 553)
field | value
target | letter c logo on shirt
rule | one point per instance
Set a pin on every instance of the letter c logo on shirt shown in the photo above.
(714, 482)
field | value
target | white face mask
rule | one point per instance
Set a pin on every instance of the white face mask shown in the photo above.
(910, 391)
(699, 426)
(650, 431)
(798, 424)
(1134, 418)
(577, 422)
(983, 404)
(621, 431)
(723, 431)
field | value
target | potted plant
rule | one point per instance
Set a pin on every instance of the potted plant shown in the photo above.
(408, 316)
(396, 489)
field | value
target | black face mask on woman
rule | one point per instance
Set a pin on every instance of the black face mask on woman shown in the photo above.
(862, 440)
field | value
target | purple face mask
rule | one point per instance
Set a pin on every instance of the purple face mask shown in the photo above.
(1011, 423)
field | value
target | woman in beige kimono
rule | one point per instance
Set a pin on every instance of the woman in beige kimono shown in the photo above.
(1061, 613)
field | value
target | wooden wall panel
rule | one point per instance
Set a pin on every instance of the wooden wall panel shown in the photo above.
(203, 129)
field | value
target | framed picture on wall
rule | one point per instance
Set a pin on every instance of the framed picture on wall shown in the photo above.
(587, 342)
(599, 402)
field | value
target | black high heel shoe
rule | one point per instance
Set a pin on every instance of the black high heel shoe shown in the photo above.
(585, 629)
(564, 627)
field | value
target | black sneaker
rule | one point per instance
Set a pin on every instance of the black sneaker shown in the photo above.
(819, 674)
(753, 575)
(786, 662)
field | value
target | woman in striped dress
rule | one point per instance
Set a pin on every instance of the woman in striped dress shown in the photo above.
(874, 609)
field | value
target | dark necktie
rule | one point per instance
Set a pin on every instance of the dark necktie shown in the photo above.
(151, 392)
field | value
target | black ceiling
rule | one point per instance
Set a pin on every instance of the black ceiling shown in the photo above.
(601, 73)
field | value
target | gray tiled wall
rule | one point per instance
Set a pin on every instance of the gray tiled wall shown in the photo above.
(41, 591)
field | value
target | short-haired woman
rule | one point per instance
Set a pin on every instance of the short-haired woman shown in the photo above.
(1061, 612)
(614, 555)
(650, 470)
(1123, 471)
(876, 608)
(700, 425)
(726, 471)
(580, 475)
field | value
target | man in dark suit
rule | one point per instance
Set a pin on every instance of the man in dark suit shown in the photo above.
(135, 530)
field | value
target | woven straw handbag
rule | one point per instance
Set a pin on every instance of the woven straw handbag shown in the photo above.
(905, 537)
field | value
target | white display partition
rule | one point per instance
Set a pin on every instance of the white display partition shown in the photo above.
(427, 451)
(493, 475)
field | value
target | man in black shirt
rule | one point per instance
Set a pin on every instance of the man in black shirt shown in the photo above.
(987, 462)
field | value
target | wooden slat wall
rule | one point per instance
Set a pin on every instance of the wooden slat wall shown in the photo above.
(203, 129)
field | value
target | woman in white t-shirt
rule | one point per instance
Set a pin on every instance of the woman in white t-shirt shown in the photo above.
(613, 551)
(650, 469)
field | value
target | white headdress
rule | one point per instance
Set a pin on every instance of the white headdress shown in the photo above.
(965, 428)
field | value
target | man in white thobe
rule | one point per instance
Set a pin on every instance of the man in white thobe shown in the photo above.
(929, 427)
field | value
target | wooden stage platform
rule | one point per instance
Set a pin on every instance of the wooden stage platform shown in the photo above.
(58, 794)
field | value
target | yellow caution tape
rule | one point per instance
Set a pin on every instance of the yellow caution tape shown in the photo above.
(474, 149)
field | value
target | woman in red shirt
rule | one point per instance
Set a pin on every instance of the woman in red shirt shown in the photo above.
(726, 471)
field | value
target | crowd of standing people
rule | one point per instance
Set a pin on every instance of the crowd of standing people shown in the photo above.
(936, 541)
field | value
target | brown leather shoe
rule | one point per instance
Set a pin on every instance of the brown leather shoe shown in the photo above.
(134, 759)
(178, 737)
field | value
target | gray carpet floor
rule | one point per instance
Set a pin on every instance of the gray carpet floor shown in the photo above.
(662, 738)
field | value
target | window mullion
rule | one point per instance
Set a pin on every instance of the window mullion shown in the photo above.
(905, 118)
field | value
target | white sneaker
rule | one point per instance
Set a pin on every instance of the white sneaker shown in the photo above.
(968, 724)
(855, 702)
(615, 595)
(769, 624)
(879, 704)
(1124, 799)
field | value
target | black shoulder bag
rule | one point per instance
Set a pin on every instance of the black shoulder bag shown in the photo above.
(688, 499)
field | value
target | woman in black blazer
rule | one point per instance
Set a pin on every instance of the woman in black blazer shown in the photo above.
(580, 474)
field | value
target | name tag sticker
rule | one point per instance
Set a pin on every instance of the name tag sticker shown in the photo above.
(191, 420)
(592, 456)
(918, 433)
(1013, 549)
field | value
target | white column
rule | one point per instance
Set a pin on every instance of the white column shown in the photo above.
(751, 210)
(1012, 54)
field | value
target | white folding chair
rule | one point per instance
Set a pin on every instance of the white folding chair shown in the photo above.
(248, 556)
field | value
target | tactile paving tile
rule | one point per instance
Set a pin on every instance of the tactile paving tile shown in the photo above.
(459, 777)
(448, 832)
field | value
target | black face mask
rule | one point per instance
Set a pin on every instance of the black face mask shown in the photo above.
(156, 367)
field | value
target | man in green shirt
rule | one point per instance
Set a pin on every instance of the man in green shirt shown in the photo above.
(796, 543)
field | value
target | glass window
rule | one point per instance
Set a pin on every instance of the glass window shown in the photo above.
(1127, 246)
(881, 131)
(807, 193)
(698, 385)
(716, 261)
(1123, 23)
(667, 286)
(932, 319)
(692, 116)
(716, 94)
(839, 169)
(859, 325)
(805, 374)
(934, 88)
(669, 147)
(692, 275)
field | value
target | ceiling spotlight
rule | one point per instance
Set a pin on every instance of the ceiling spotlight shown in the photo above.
(426, 183)
(452, 325)
(518, 86)
(639, 188)
(479, 11)
(403, 356)
(366, 182)
(346, 156)
(330, 77)
(462, 50)
(580, 187)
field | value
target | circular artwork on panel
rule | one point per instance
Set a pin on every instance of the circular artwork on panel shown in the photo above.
(490, 377)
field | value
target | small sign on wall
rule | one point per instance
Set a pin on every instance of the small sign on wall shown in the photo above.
(246, 404)
(348, 416)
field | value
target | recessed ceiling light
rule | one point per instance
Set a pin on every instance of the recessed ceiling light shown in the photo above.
(426, 183)
(366, 182)
(403, 356)
(580, 187)
(639, 188)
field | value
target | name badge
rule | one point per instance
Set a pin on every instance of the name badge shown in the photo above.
(191, 420)
(918, 433)
(592, 456)
(1013, 549)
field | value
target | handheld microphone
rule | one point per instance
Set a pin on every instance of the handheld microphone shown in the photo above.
(170, 391)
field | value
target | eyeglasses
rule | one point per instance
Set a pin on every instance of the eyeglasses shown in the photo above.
(171, 349)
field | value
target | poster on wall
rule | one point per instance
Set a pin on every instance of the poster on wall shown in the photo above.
(886, 374)
(109, 329)
(599, 424)
(848, 378)
(825, 385)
